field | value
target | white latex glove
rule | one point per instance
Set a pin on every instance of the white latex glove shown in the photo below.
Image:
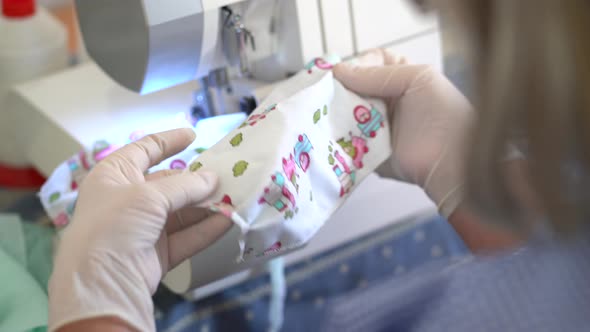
(127, 231)
(429, 122)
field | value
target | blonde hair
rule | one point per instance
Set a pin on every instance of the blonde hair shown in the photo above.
(531, 61)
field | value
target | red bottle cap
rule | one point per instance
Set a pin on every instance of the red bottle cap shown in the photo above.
(20, 178)
(18, 8)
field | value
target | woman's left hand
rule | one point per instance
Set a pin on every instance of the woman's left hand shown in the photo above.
(128, 230)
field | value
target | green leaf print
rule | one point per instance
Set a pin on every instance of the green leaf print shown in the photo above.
(325, 109)
(331, 160)
(289, 214)
(195, 166)
(316, 116)
(330, 149)
(236, 140)
(54, 197)
(240, 167)
(200, 150)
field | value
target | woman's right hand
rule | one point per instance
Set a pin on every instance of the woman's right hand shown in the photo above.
(430, 119)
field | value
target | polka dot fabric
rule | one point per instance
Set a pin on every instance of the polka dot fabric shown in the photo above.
(313, 285)
(544, 287)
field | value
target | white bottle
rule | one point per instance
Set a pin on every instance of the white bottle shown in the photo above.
(33, 43)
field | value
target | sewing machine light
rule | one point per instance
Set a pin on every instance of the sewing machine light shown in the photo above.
(148, 46)
(157, 84)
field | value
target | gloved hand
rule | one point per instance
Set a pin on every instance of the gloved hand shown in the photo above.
(127, 231)
(429, 117)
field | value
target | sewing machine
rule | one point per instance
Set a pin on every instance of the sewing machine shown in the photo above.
(153, 59)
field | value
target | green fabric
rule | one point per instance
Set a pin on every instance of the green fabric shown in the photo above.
(26, 262)
(23, 304)
(39, 247)
(12, 240)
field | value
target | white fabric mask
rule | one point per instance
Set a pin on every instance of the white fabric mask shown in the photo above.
(294, 161)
